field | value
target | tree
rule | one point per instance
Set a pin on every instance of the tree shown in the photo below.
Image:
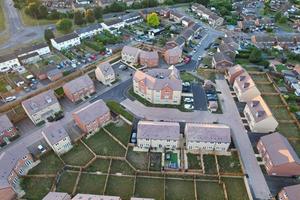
(79, 18)
(255, 56)
(149, 3)
(54, 14)
(153, 20)
(98, 12)
(89, 16)
(169, 2)
(48, 35)
(64, 25)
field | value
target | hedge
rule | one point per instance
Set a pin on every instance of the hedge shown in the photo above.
(117, 108)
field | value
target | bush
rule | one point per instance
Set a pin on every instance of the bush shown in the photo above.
(264, 63)
(117, 108)
(97, 47)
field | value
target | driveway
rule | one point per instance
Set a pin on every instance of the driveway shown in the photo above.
(199, 97)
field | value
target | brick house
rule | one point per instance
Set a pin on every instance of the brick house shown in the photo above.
(233, 72)
(105, 73)
(158, 86)
(7, 129)
(245, 87)
(290, 193)
(259, 116)
(176, 16)
(278, 155)
(221, 61)
(92, 117)
(149, 58)
(79, 88)
(173, 56)
(227, 49)
(130, 55)
(158, 135)
(54, 74)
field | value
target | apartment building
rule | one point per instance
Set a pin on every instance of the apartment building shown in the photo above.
(105, 73)
(8, 62)
(158, 135)
(278, 155)
(66, 41)
(158, 86)
(173, 56)
(233, 72)
(79, 88)
(57, 138)
(38, 108)
(149, 58)
(289, 193)
(130, 55)
(92, 117)
(89, 31)
(245, 88)
(207, 137)
(259, 116)
(41, 49)
(7, 129)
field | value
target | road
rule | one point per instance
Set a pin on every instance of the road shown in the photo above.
(18, 33)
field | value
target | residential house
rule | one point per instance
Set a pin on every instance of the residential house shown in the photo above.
(57, 196)
(180, 42)
(105, 3)
(57, 138)
(259, 116)
(105, 73)
(221, 61)
(207, 137)
(227, 49)
(8, 62)
(149, 58)
(289, 193)
(279, 157)
(7, 193)
(196, 28)
(89, 31)
(246, 25)
(113, 25)
(165, 12)
(94, 197)
(41, 49)
(158, 135)
(187, 35)
(66, 41)
(29, 58)
(54, 74)
(186, 22)
(130, 55)
(158, 86)
(7, 129)
(79, 88)
(245, 88)
(231, 42)
(132, 18)
(264, 22)
(173, 56)
(38, 108)
(263, 41)
(212, 18)
(176, 16)
(233, 72)
(92, 117)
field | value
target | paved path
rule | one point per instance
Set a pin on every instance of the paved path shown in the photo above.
(231, 117)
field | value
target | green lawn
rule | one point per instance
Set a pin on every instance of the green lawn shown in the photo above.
(118, 109)
(119, 166)
(67, 182)
(229, 164)
(272, 100)
(281, 113)
(120, 186)
(2, 17)
(209, 191)
(155, 161)
(194, 161)
(288, 129)
(187, 77)
(266, 88)
(121, 130)
(102, 144)
(3, 85)
(280, 67)
(260, 78)
(99, 165)
(79, 155)
(209, 164)
(36, 188)
(138, 159)
(149, 188)
(235, 188)
(49, 164)
(179, 190)
(91, 184)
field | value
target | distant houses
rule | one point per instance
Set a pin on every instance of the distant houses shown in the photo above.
(212, 18)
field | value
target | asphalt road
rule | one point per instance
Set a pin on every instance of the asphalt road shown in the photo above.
(199, 97)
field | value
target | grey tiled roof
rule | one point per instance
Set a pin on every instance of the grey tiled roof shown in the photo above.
(5, 123)
(54, 132)
(79, 83)
(158, 130)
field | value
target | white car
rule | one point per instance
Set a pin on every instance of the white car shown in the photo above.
(186, 84)
(11, 98)
(188, 100)
(188, 106)
(211, 53)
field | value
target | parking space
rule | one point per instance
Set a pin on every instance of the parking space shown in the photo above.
(199, 97)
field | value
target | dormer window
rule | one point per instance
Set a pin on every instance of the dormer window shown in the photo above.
(260, 113)
(246, 85)
(242, 78)
(254, 103)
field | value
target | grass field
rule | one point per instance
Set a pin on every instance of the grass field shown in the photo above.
(99, 165)
(260, 78)
(155, 161)
(178, 190)
(281, 113)
(272, 100)
(149, 188)
(29, 21)
(187, 77)
(296, 145)
(120, 186)
(209, 191)
(49, 164)
(2, 17)
(194, 161)
(229, 164)
(119, 166)
(288, 129)
(209, 164)
(67, 182)
(121, 130)
(138, 159)
(79, 155)
(3, 85)
(102, 144)
(36, 188)
(91, 184)
(266, 88)
(236, 189)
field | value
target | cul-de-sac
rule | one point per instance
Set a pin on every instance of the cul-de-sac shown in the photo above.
(149, 100)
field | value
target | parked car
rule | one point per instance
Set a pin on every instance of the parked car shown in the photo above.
(186, 84)
(133, 138)
(188, 106)
(26, 89)
(188, 100)
(33, 86)
(10, 98)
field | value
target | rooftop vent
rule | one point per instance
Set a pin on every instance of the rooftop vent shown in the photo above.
(260, 113)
